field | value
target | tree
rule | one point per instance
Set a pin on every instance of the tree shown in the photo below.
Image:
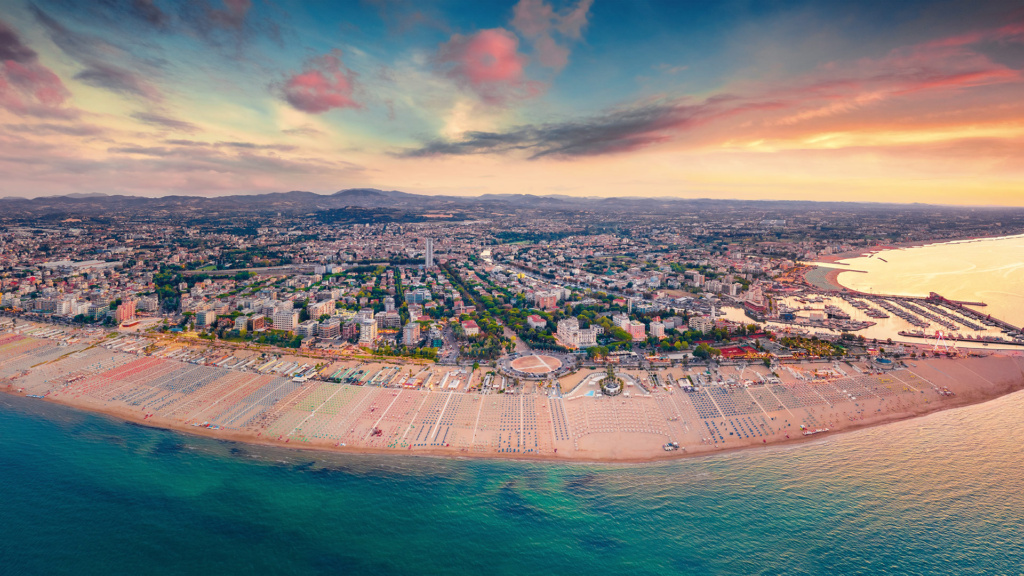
(706, 351)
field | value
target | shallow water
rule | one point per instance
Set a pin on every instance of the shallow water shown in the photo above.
(86, 494)
(987, 270)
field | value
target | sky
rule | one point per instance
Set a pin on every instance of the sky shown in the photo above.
(908, 101)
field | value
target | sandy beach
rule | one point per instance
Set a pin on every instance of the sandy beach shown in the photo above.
(436, 411)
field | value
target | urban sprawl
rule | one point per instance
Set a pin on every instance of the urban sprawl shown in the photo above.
(581, 335)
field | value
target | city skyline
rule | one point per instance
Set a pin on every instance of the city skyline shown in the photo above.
(798, 100)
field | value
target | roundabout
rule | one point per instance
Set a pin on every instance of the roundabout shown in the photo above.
(536, 366)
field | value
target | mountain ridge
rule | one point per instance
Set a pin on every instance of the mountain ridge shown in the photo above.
(369, 201)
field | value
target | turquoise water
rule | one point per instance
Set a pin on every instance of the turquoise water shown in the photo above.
(84, 494)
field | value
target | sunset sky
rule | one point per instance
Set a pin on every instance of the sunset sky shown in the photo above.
(865, 101)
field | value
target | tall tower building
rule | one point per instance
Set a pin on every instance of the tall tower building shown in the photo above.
(430, 253)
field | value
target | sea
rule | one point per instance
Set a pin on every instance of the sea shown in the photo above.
(82, 493)
(989, 270)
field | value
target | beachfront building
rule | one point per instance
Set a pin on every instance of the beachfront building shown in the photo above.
(349, 330)
(257, 322)
(367, 330)
(702, 323)
(572, 336)
(125, 311)
(657, 329)
(637, 330)
(411, 334)
(388, 320)
(329, 328)
(286, 320)
(320, 309)
(307, 328)
(205, 318)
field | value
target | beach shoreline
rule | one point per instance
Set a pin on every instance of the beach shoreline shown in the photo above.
(1007, 379)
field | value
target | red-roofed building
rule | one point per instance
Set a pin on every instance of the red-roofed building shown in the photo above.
(536, 322)
(470, 328)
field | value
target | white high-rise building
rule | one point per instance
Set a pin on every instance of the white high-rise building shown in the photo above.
(429, 258)
(657, 329)
(367, 330)
(411, 334)
(286, 320)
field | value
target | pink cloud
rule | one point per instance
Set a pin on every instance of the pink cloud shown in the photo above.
(937, 72)
(532, 17)
(550, 54)
(26, 86)
(324, 85)
(537, 21)
(1013, 32)
(574, 21)
(489, 63)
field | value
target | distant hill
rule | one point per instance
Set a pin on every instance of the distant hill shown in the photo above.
(394, 205)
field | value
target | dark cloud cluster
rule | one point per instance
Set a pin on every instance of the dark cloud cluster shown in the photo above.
(615, 131)
(402, 16)
(220, 23)
(161, 121)
(49, 128)
(116, 79)
(11, 47)
(306, 130)
(95, 54)
(149, 12)
(238, 145)
(241, 157)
